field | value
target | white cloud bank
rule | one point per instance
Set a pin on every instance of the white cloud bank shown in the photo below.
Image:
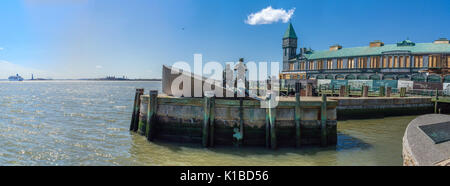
(269, 15)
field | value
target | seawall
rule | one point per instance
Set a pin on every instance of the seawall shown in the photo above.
(374, 107)
(247, 124)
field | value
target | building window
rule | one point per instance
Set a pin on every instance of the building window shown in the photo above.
(378, 58)
(390, 62)
(385, 65)
(418, 61)
(375, 62)
(320, 65)
(302, 65)
(372, 62)
(395, 61)
(291, 66)
(340, 64)
(401, 62)
(448, 61)
(311, 65)
(359, 63)
(329, 64)
(362, 62)
(433, 61)
(351, 63)
(408, 61)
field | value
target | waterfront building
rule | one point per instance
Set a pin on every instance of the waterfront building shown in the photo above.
(405, 60)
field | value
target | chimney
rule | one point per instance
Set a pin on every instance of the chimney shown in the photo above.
(376, 43)
(441, 41)
(335, 47)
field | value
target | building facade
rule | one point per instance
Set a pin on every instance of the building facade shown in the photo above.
(405, 60)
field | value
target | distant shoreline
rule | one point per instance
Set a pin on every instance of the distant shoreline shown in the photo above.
(120, 79)
(87, 80)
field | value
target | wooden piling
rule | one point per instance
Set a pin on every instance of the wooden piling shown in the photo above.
(381, 91)
(365, 92)
(267, 128)
(297, 116)
(211, 121)
(323, 127)
(436, 102)
(332, 90)
(206, 116)
(133, 115)
(320, 90)
(273, 131)
(271, 137)
(388, 91)
(134, 126)
(342, 91)
(308, 89)
(241, 120)
(151, 114)
(402, 91)
(348, 91)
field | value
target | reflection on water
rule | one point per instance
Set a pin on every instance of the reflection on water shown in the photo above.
(87, 122)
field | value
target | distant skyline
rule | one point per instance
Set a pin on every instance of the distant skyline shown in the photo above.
(71, 39)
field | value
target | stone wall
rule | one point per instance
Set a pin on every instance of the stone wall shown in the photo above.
(370, 107)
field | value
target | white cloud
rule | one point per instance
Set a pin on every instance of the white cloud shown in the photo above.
(7, 69)
(269, 15)
(98, 67)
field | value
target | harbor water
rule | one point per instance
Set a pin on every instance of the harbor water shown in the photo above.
(87, 123)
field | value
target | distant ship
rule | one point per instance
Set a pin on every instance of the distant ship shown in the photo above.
(15, 78)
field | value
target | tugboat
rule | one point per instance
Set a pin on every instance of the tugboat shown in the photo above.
(15, 78)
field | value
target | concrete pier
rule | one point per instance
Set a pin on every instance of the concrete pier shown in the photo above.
(312, 120)
(419, 149)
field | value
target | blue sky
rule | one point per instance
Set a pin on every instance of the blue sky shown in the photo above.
(87, 38)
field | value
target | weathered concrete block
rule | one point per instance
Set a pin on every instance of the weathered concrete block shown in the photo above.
(310, 113)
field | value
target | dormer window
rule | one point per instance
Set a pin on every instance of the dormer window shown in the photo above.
(335, 47)
(376, 43)
(442, 41)
(406, 43)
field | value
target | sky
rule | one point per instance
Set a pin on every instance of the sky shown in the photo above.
(69, 39)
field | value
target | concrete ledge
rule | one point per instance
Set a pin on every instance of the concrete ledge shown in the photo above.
(373, 107)
(419, 149)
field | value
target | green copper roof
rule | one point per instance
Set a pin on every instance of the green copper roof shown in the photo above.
(290, 33)
(372, 51)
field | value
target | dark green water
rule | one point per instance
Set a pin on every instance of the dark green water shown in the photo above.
(87, 122)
